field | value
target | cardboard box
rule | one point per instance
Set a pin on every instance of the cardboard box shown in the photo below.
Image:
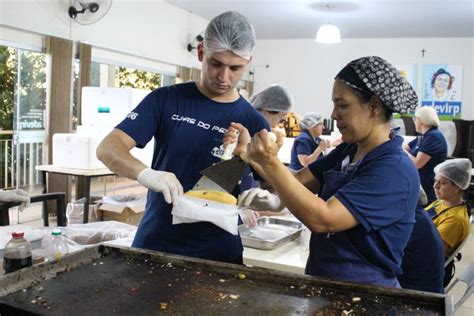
(120, 213)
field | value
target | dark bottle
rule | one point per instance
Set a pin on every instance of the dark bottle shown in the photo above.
(17, 253)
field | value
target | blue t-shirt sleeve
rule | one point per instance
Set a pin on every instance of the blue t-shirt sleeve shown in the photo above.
(302, 147)
(378, 195)
(142, 122)
(431, 145)
(412, 143)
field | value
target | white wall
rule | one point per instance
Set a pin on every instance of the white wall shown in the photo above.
(307, 69)
(151, 29)
(160, 31)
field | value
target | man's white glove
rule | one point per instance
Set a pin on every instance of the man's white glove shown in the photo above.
(260, 200)
(15, 196)
(161, 181)
(249, 217)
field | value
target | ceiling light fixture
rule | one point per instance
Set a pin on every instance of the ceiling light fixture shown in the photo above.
(328, 33)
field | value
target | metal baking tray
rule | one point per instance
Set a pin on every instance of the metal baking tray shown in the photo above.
(105, 280)
(271, 233)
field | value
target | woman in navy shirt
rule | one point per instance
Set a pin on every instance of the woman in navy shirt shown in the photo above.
(427, 150)
(368, 188)
(423, 259)
(308, 146)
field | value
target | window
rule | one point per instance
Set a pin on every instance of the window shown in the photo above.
(22, 115)
(119, 74)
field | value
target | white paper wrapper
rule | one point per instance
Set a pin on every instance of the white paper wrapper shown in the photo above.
(192, 210)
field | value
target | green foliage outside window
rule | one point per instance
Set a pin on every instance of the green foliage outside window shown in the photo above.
(32, 94)
(7, 87)
(139, 79)
(32, 89)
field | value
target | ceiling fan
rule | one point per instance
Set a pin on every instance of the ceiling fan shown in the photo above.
(88, 12)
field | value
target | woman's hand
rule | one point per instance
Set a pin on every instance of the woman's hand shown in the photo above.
(323, 145)
(237, 133)
(279, 135)
(262, 150)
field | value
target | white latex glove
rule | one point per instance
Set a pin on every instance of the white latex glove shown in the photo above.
(15, 196)
(249, 217)
(161, 181)
(260, 200)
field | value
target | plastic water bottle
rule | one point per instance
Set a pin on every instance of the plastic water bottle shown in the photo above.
(17, 253)
(55, 246)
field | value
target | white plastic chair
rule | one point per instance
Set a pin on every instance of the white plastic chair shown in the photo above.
(467, 276)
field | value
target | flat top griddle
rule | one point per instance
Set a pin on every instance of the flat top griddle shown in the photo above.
(122, 281)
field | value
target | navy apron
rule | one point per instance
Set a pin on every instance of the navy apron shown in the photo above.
(433, 215)
(334, 255)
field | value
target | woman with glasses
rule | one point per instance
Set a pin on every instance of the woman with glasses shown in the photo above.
(428, 149)
(308, 146)
(274, 103)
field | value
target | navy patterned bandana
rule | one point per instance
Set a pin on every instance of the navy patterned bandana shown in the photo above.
(374, 75)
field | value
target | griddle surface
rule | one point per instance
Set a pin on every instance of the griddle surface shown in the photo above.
(131, 282)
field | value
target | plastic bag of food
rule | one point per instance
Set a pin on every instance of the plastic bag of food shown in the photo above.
(192, 210)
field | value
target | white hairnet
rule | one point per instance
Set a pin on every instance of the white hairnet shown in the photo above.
(310, 119)
(230, 31)
(273, 98)
(427, 115)
(457, 170)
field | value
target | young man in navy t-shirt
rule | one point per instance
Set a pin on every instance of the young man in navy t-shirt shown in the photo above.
(187, 122)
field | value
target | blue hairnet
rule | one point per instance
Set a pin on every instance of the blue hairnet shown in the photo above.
(273, 98)
(310, 119)
(457, 170)
(230, 31)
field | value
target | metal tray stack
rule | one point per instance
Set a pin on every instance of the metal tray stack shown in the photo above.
(271, 233)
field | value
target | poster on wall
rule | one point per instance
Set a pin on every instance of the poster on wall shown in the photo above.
(442, 86)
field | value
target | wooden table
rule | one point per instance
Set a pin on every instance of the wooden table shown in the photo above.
(86, 174)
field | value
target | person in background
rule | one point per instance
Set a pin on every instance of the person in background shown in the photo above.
(17, 195)
(450, 212)
(307, 146)
(428, 149)
(423, 257)
(274, 103)
(363, 217)
(187, 122)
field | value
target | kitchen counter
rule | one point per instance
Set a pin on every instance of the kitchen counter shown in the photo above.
(289, 257)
